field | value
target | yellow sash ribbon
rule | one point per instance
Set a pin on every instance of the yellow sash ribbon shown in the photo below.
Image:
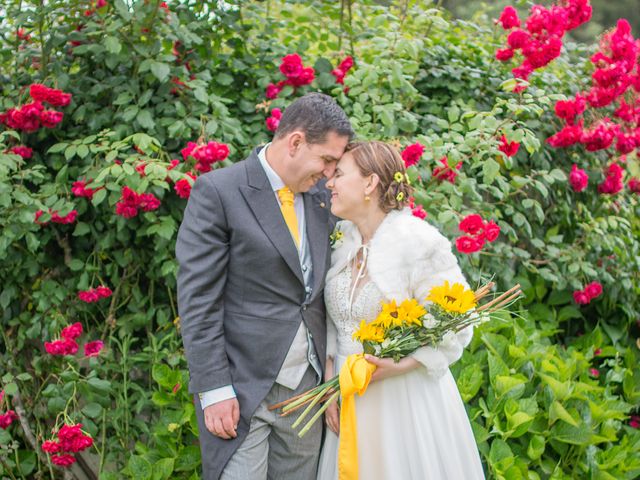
(355, 375)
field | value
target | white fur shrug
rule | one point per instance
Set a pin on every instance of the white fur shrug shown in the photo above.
(407, 257)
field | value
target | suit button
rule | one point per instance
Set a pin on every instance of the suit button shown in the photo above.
(304, 307)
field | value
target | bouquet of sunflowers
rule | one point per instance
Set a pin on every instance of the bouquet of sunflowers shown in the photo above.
(399, 330)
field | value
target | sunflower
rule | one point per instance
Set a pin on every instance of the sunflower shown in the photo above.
(410, 312)
(368, 332)
(454, 298)
(388, 316)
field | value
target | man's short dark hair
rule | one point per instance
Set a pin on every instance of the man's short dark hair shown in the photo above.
(315, 114)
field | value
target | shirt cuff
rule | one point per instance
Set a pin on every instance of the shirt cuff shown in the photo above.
(217, 395)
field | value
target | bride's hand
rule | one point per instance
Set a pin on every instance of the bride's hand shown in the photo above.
(332, 417)
(387, 367)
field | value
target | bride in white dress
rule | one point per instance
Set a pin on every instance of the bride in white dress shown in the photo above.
(411, 422)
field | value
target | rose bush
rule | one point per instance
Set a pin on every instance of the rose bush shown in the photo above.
(111, 110)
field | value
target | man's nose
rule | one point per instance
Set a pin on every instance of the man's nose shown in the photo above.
(329, 170)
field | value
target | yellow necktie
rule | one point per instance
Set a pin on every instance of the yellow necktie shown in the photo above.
(289, 213)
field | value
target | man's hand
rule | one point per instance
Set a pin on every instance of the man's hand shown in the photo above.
(387, 367)
(222, 418)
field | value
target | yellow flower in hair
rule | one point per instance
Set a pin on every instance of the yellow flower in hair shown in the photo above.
(398, 177)
(400, 196)
(406, 179)
(454, 298)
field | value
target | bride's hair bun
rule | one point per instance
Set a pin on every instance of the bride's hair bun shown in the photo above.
(384, 160)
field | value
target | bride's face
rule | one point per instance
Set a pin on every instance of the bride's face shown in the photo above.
(348, 189)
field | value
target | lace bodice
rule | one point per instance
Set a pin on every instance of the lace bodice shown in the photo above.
(366, 306)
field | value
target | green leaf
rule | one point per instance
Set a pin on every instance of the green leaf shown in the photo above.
(82, 151)
(490, 169)
(58, 147)
(76, 265)
(139, 468)
(11, 388)
(92, 410)
(163, 469)
(323, 65)
(568, 312)
(112, 44)
(561, 390)
(201, 95)
(536, 447)
(70, 152)
(161, 70)
(499, 451)
(188, 459)
(167, 228)
(505, 384)
(130, 113)
(386, 117)
(98, 197)
(469, 381)
(56, 405)
(145, 120)
(99, 385)
(81, 229)
(557, 411)
(224, 79)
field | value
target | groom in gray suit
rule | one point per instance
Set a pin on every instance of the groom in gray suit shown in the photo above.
(253, 250)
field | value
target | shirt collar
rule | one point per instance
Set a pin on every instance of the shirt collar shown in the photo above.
(274, 179)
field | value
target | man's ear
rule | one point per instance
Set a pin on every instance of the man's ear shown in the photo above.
(294, 141)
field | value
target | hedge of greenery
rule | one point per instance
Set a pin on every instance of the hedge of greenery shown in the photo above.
(89, 216)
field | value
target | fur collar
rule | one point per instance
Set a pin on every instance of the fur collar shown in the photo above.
(401, 247)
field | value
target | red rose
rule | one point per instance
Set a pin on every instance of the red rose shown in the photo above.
(509, 18)
(51, 446)
(466, 244)
(504, 54)
(7, 419)
(508, 148)
(92, 349)
(491, 231)
(72, 331)
(593, 290)
(51, 118)
(578, 178)
(291, 65)
(472, 224)
(24, 152)
(411, 154)
(580, 297)
(272, 91)
(63, 460)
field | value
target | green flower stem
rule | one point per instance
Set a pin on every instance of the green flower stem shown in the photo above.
(306, 428)
(317, 398)
(311, 394)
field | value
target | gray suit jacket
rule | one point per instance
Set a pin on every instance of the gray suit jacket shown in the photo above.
(241, 290)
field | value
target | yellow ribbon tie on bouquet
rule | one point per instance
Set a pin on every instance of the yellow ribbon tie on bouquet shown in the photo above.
(355, 375)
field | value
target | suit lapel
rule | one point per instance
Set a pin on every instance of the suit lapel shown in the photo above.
(316, 217)
(263, 203)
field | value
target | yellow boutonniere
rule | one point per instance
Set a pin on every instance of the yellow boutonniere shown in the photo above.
(335, 237)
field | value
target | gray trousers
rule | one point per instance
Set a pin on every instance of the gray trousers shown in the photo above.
(272, 450)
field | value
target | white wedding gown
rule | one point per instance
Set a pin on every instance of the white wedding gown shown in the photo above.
(410, 427)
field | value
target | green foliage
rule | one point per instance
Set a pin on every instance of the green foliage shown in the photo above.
(536, 411)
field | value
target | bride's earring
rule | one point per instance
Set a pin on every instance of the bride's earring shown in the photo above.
(367, 198)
